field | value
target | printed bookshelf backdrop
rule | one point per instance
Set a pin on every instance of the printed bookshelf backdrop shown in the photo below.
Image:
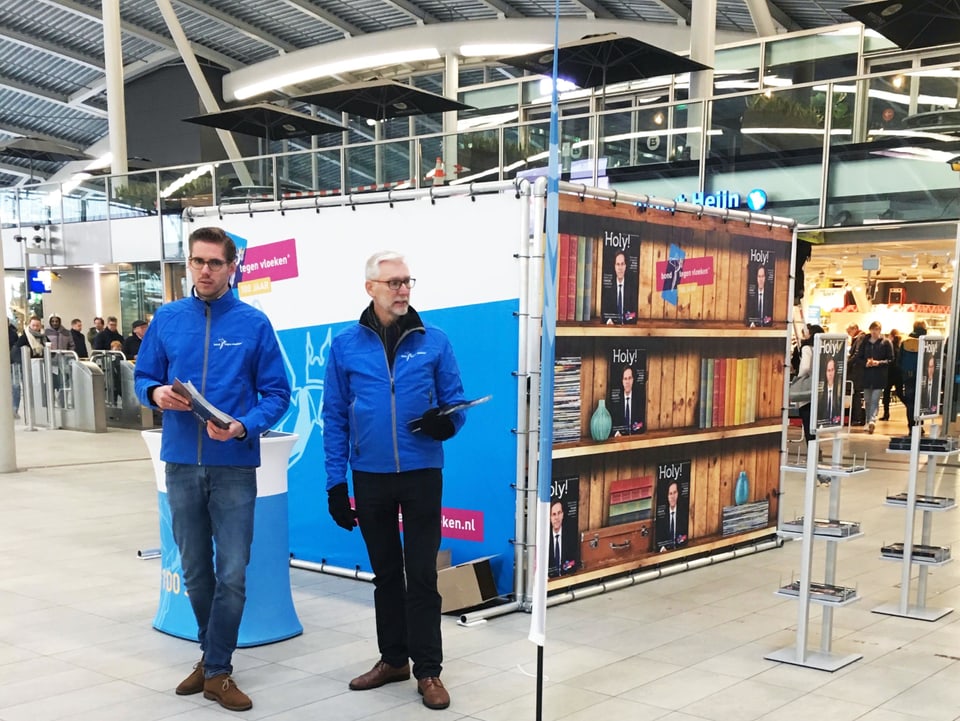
(686, 316)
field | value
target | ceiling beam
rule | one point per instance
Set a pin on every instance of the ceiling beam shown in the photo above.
(788, 23)
(420, 15)
(677, 8)
(595, 10)
(130, 71)
(503, 9)
(44, 94)
(339, 24)
(144, 34)
(22, 172)
(241, 26)
(36, 43)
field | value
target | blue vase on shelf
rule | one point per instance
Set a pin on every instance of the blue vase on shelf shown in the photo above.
(741, 492)
(600, 422)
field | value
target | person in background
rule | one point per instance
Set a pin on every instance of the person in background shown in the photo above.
(131, 346)
(855, 370)
(874, 355)
(108, 335)
(60, 338)
(909, 350)
(14, 368)
(385, 373)
(229, 350)
(805, 369)
(79, 339)
(98, 325)
(894, 374)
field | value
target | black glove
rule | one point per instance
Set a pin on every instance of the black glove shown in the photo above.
(438, 427)
(338, 503)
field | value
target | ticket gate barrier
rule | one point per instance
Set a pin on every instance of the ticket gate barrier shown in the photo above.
(120, 397)
(61, 391)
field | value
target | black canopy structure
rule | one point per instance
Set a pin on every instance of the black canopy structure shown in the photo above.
(911, 24)
(40, 150)
(381, 99)
(264, 120)
(596, 61)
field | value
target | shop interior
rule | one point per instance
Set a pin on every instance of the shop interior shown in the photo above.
(896, 275)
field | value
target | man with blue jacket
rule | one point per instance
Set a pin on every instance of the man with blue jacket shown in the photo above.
(387, 379)
(228, 350)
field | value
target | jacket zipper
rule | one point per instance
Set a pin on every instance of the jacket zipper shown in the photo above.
(393, 392)
(203, 378)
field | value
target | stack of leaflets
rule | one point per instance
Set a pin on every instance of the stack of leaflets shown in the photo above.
(822, 592)
(824, 527)
(920, 552)
(566, 399)
(746, 517)
(922, 501)
(932, 445)
(203, 409)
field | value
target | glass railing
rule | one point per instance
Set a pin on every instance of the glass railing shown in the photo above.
(843, 153)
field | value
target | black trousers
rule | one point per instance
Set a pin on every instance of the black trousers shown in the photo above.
(405, 593)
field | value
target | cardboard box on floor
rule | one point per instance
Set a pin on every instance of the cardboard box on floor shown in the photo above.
(466, 584)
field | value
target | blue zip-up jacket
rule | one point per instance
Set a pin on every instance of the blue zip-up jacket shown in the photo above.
(228, 349)
(367, 405)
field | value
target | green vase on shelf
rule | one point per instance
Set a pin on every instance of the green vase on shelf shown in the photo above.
(741, 491)
(600, 422)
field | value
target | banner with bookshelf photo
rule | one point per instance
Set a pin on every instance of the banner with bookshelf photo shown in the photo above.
(666, 370)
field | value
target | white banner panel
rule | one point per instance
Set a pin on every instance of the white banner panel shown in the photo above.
(459, 250)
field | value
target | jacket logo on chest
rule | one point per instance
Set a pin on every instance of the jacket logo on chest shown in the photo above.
(222, 343)
(411, 356)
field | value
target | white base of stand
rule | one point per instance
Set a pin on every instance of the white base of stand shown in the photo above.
(820, 660)
(921, 614)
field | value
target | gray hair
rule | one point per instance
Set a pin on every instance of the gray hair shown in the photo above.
(372, 268)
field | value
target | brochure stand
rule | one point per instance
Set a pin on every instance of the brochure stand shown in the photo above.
(830, 353)
(269, 614)
(923, 555)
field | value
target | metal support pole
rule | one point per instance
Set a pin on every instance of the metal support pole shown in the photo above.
(113, 68)
(48, 383)
(203, 88)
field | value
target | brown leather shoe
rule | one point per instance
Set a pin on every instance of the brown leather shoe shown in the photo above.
(194, 682)
(224, 691)
(381, 673)
(434, 694)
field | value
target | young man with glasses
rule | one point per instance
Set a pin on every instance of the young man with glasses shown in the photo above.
(228, 350)
(387, 379)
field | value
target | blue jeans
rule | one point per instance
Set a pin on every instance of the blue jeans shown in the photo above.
(872, 398)
(405, 594)
(212, 510)
(15, 385)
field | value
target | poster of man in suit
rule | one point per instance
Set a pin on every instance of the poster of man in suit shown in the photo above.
(930, 372)
(620, 278)
(830, 358)
(760, 288)
(627, 398)
(564, 540)
(673, 505)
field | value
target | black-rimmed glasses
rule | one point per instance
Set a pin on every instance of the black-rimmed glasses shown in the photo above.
(395, 283)
(212, 263)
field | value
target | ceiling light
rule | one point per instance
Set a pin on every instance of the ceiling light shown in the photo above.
(363, 62)
(658, 119)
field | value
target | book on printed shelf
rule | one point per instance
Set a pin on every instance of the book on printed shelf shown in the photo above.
(709, 393)
(625, 490)
(581, 267)
(730, 391)
(587, 310)
(702, 396)
(571, 276)
(563, 270)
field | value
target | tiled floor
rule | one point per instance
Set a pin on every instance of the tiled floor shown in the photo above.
(76, 606)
